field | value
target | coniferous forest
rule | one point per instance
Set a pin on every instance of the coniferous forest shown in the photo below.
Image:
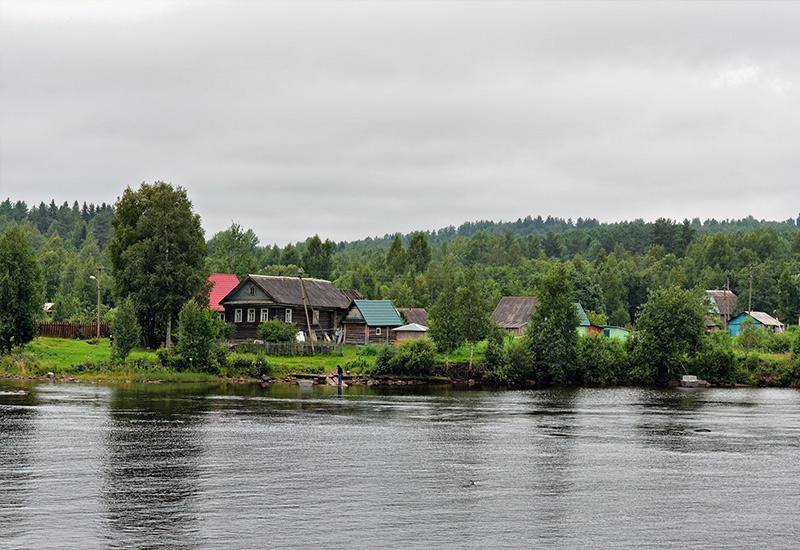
(612, 266)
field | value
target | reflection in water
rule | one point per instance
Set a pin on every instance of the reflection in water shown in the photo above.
(16, 456)
(151, 467)
(249, 467)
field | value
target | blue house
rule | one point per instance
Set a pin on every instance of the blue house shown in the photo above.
(757, 319)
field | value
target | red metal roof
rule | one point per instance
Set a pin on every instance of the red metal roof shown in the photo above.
(221, 285)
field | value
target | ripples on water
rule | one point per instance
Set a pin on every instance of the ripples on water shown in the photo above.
(154, 466)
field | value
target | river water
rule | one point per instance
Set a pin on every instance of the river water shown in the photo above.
(207, 466)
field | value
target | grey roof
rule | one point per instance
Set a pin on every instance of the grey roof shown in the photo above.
(412, 327)
(414, 315)
(764, 318)
(725, 300)
(514, 311)
(288, 290)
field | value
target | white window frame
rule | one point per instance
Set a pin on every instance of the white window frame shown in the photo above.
(264, 314)
(314, 316)
(287, 315)
(237, 315)
(251, 315)
(377, 331)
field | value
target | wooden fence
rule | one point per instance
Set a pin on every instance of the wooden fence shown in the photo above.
(289, 349)
(72, 330)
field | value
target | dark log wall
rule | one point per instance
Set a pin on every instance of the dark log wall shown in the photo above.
(244, 330)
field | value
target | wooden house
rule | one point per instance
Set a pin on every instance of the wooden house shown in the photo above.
(370, 322)
(513, 313)
(610, 331)
(315, 306)
(414, 315)
(411, 331)
(757, 319)
(722, 305)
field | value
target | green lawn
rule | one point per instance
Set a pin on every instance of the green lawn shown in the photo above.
(69, 353)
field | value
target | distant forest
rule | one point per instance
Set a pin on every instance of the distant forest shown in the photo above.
(613, 265)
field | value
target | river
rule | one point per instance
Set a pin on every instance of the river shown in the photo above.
(216, 466)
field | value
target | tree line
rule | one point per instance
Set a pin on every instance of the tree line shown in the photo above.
(154, 252)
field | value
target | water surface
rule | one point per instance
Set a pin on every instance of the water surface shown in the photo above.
(206, 466)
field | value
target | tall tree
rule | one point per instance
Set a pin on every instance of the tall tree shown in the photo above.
(127, 334)
(419, 252)
(233, 250)
(157, 255)
(669, 325)
(21, 290)
(553, 329)
(472, 310)
(446, 328)
(318, 257)
(396, 260)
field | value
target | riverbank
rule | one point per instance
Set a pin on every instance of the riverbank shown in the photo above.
(78, 360)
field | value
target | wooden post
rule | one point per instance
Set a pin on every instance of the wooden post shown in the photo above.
(305, 308)
(99, 274)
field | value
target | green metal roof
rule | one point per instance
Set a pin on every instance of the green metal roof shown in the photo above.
(379, 313)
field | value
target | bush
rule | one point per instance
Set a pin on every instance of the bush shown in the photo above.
(601, 361)
(796, 344)
(368, 351)
(359, 366)
(126, 330)
(769, 371)
(247, 364)
(276, 330)
(716, 361)
(751, 337)
(514, 366)
(413, 358)
(778, 342)
(198, 331)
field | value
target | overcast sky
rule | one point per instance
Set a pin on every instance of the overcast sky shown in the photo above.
(350, 119)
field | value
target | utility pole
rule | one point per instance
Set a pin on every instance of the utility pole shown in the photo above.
(305, 307)
(97, 280)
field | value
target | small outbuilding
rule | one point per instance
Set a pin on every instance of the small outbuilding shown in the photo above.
(413, 315)
(370, 322)
(513, 313)
(757, 319)
(586, 326)
(610, 331)
(411, 331)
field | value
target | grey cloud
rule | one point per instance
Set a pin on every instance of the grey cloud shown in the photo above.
(355, 118)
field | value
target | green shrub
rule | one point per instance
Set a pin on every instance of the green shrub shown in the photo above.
(796, 344)
(369, 351)
(276, 330)
(359, 365)
(126, 330)
(764, 370)
(778, 342)
(514, 366)
(247, 364)
(413, 358)
(198, 332)
(716, 361)
(751, 337)
(601, 361)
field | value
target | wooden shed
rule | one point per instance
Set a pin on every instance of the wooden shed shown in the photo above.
(722, 304)
(411, 331)
(416, 315)
(370, 322)
(757, 319)
(513, 313)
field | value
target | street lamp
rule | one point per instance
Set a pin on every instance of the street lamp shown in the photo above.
(97, 279)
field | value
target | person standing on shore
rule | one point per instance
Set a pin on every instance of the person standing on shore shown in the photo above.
(339, 375)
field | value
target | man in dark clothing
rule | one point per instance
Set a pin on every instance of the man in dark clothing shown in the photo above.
(339, 374)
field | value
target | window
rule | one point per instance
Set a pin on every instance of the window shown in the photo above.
(377, 331)
(237, 316)
(252, 290)
(221, 315)
(251, 315)
(264, 315)
(288, 315)
(314, 317)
